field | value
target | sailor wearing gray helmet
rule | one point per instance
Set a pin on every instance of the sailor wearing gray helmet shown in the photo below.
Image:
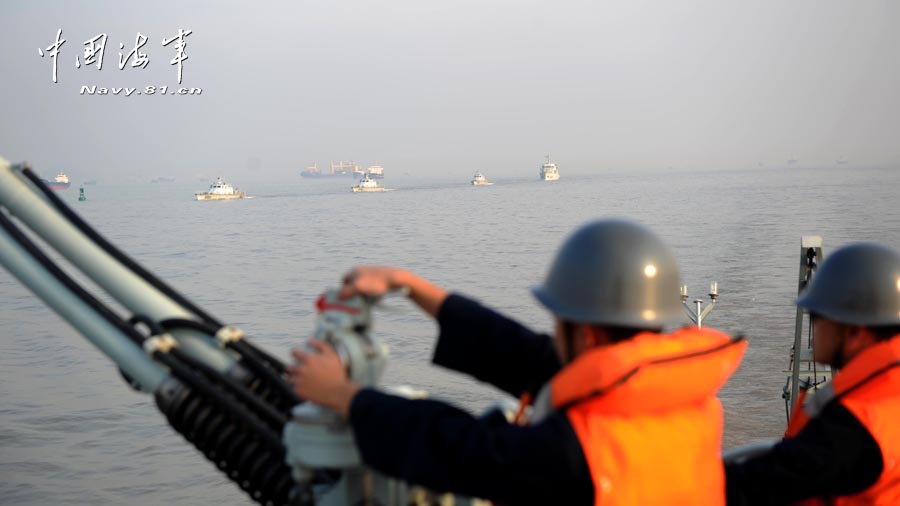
(843, 442)
(623, 413)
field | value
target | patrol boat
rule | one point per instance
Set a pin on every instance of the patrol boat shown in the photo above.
(479, 180)
(376, 171)
(549, 171)
(220, 190)
(367, 184)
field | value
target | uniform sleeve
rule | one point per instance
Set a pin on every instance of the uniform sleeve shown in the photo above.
(445, 449)
(834, 455)
(480, 342)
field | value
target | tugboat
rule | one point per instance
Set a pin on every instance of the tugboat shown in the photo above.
(220, 190)
(60, 182)
(479, 180)
(366, 184)
(549, 171)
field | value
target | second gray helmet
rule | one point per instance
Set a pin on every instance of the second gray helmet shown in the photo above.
(613, 272)
(858, 284)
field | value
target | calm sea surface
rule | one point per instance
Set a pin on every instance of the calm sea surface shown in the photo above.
(71, 432)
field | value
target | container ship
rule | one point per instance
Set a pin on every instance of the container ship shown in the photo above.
(340, 169)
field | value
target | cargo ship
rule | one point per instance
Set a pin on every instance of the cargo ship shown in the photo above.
(340, 169)
(60, 182)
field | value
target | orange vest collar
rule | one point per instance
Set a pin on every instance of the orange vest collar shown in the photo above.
(870, 362)
(874, 406)
(650, 371)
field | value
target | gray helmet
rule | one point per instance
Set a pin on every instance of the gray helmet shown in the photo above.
(616, 273)
(858, 284)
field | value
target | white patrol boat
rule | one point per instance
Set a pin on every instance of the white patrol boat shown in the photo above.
(367, 184)
(549, 171)
(220, 190)
(479, 180)
(376, 172)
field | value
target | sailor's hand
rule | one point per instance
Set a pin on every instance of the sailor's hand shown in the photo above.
(372, 281)
(319, 376)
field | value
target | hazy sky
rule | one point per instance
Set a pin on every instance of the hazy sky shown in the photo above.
(444, 88)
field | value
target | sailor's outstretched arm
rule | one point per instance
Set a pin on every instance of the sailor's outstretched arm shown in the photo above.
(443, 448)
(375, 281)
(477, 340)
(473, 338)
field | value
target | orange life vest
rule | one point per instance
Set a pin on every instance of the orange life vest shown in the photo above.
(869, 387)
(647, 417)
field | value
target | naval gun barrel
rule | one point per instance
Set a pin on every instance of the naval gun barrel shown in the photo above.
(224, 395)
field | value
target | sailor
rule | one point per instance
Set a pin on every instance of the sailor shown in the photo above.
(842, 444)
(623, 413)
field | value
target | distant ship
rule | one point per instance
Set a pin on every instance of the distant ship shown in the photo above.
(375, 172)
(163, 179)
(60, 182)
(341, 169)
(549, 171)
(220, 190)
(479, 180)
(368, 185)
(841, 161)
(90, 182)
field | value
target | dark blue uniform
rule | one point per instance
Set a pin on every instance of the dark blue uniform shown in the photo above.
(434, 444)
(834, 455)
